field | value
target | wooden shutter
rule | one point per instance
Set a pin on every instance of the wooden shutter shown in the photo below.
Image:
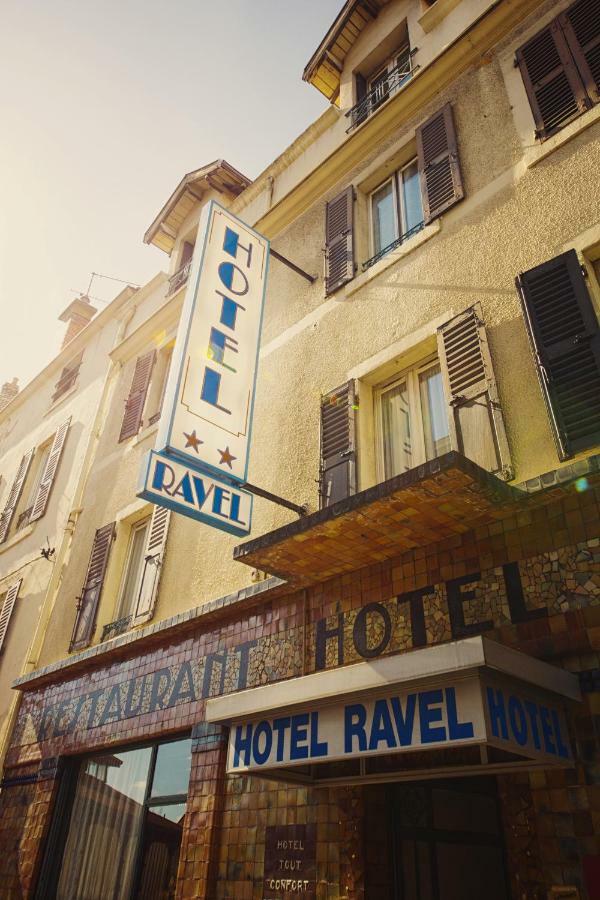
(14, 495)
(134, 407)
(67, 378)
(153, 562)
(7, 609)
(581, 26)
(565, 339)
(87, 606)
(49, 473)
(439, 169)
(339, 240)
(553, 84)
(475, 417)
(338, 455)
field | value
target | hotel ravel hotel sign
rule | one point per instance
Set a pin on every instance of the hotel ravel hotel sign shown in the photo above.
(201, 458)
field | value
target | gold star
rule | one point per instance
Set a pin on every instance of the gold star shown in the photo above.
(192, 440)
(226, 457)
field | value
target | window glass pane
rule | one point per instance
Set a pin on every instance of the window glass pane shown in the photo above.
(433, 410)
(403, 63)
(160, 852)
(172, 772)
(384, 219)
(395, 420)
(379, 89)
(412, 208)
(135, 563)
(107, 816)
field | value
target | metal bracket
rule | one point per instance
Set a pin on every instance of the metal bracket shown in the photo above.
(293, 266)
(275, 498)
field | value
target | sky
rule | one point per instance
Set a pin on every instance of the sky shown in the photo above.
(104, 106)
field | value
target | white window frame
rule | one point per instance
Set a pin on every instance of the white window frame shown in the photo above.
(399, 208)
(387, 68)
(135, 527)
(411, 376)
(155, 397)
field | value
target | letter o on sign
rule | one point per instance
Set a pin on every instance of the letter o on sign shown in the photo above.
(261, 756)
(359, 634)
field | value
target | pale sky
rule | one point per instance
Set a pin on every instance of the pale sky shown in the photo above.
(104, 106)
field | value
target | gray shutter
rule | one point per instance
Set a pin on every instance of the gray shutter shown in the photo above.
(581, 26)
(49, 473)
(439, 169)
(14, 495)
(553, 84)
(134, 407)
(475, 416)
(338, 453)
(68, 377)
(87, 606)
(339, 240)
(565, 339)
(154, 554)
(7, 609)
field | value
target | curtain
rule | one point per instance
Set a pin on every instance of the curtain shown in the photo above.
(107, 816)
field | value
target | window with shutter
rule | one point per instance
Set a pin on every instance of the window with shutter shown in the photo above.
(339, 240)
(68, 377)
(475, 417)
(134, 406)
(14, 495)
(581, 25)
(565, 339)
(338, 457)
(49, 472)
(154, 553)
(87, 606)
(6, 611)
(439, 169)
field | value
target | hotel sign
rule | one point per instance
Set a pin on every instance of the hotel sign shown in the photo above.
(207, 414)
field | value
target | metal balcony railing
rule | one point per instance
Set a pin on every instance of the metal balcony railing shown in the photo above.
(115, 628)
(403, 237)
(180, 277)
(382, 90)
(23, 519)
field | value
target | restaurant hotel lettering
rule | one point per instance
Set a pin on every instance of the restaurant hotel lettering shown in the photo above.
(322, 617)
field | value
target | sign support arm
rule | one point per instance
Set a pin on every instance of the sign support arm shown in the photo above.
(293, 266)
(274, 498)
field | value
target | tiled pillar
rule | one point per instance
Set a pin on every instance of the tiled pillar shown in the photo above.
(198, 861)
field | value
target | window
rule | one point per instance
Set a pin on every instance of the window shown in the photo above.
(32, 485)
(134, 569)
(396, 209)
(412, 422)
(158, 384)
(179, 278)
(560, 67)
(123, 835)
(68, 377)
(389, 78)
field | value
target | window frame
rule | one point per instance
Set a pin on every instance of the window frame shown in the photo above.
(385, 69)
(31, 486)
(120, 612)
(396, 177)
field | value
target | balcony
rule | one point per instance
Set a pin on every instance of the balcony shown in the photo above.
(382, 89)
(179, 278)
(385, 250)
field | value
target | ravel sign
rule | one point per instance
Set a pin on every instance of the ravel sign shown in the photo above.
(201, 458)
(290, 861)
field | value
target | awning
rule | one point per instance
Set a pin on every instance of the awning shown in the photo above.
(470, 705)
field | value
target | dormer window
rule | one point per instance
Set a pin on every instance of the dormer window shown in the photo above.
(179, 278)
(383, 81)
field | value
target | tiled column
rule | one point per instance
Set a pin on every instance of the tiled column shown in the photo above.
(198, 861)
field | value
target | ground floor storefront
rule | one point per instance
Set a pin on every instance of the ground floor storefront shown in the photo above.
(419, 724)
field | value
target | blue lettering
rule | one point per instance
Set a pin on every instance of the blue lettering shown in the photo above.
(427, 715)
(227, 272)
(405, 723)
(316, 748)
(381, 729)
(354, 726)
(562, 748)
(158, 479)
(261, 756)
(218, 343)
(201, 493)
(211, 385)
(242, 745)
(497, 713)
(547, 730)
(184, 489)
(234, 513)
(231, 243)
(298, 736)
(532, 710)
(519, 729)
(229, 310)
(280, 726)
(220, 495)
(456, 730)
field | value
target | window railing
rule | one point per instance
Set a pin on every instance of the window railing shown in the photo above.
(382, 90)
(403, 237)
(180, 277)
(23, 520)
(115, 628)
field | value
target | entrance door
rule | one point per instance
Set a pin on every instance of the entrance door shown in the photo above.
(447, 840)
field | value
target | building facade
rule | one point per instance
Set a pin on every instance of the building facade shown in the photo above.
(395, 694)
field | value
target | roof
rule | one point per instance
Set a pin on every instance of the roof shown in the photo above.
(217, 175)
(324, 68)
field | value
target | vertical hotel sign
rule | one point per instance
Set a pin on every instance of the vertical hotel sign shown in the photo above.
(201, 455)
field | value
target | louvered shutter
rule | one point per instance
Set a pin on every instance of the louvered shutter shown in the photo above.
(14, 495)
(87, 606)
(439, 168)
(49, 473)
(154, 554)
(339, 240)
(475, 417)
(565, 339)
(7, 609)
(338, 456)
(134, 407)
(581, 26)
(553, 84)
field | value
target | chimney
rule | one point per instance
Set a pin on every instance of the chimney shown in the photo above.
(78, 313)
(9, 390)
